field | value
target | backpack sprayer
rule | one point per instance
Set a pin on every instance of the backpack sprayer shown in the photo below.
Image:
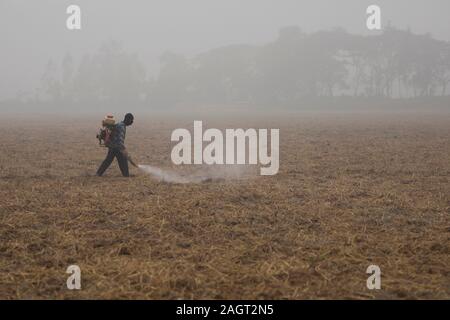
(105, 132)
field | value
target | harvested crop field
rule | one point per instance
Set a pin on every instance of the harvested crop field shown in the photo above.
(352, 190)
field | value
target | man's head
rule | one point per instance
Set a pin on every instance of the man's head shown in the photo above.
(128, 120)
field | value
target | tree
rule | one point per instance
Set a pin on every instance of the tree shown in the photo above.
(50, 81)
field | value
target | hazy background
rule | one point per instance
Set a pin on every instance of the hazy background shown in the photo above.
(33, 33)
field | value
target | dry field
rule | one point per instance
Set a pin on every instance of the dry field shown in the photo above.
(353, 190)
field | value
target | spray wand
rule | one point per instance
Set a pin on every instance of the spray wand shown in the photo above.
(126, 154)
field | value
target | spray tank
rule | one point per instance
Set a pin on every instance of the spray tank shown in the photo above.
(105, 132)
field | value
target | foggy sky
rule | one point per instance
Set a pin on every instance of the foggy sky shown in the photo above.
(31, 32)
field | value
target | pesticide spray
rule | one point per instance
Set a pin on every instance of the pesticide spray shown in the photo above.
(171, 177)
(213, 174)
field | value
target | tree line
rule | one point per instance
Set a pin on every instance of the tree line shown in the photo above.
(294, 67)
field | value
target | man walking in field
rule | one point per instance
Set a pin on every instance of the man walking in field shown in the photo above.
(116, 148)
